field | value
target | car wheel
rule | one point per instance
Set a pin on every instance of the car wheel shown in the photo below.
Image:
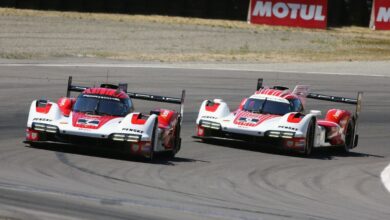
(349, 135)
(152, 153)
(310, 137)
(177, 144)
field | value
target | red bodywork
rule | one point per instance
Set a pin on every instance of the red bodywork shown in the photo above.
(167, 119)
(44, 109)
(335, 122)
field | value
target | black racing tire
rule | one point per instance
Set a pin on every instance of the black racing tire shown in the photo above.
(177, 144)
(33, 144)
(152, 153)
(349, 137)
(310, 135)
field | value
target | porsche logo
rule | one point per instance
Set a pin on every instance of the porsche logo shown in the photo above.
(89, 122)
(248, 120)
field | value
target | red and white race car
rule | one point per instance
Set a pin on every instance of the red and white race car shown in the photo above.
(105, 116)
(275, 116)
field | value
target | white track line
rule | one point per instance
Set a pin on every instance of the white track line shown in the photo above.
(385, 176)
(185, 66)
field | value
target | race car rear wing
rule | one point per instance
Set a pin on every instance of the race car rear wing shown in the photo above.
(302, 90)
(133, 95)
(357, 101)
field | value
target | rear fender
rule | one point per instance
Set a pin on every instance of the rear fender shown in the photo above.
(338, 116)
(213, 110)
(43, 111)
(166, 118)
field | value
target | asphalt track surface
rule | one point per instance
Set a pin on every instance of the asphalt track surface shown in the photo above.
(205, 181)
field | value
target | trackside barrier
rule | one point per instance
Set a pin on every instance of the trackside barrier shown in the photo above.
(294, 13)
(380, 15)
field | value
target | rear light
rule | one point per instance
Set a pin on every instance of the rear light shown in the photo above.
(295, 143)
(32, 135)
(135, 147)
(200, 131)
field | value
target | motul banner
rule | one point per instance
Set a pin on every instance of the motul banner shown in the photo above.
(296, 13)
(380, 16)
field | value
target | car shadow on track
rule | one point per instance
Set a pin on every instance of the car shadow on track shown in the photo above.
(109, 154)
(326, 153)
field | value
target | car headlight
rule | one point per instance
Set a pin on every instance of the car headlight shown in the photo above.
(44, 127)
(210, 124)
(126, 137)
(280, 134)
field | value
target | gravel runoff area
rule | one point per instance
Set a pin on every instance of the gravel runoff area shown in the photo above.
(28, 34)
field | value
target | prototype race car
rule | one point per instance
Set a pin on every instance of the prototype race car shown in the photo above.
(275, 116)
(104, 116)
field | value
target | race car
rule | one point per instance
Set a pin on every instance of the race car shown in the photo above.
(104, 116)
(276, 116)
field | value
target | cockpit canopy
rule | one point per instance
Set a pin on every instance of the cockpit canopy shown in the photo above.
(103, 105)
(274, 107)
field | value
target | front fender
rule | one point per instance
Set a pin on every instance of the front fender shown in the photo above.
(213, 110)
(143, 127)
(52, 114)
(300, 124)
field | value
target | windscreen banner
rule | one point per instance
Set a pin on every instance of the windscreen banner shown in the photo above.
(380, 15)
(294, 13)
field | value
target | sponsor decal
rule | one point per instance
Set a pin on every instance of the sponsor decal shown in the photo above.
(100, 97)
(248, 120)
(288, 127)
(380, 15)
(210, 117)
(41, 119)
(337, 114)
(295, 13)
(89, 122)
(133, 130)
(165, 113)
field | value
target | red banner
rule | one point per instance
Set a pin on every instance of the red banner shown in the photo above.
(380, 18)
(296, 13)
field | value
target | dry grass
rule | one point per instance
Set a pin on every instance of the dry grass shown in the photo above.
(141, 18)
(352, 43)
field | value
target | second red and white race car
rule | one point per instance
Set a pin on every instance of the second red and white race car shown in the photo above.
(275, 116)
(105, 116)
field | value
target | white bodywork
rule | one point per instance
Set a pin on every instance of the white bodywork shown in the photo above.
(120, 125)
(225, 118)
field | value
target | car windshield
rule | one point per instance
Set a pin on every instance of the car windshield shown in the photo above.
(102, 105)
(265, 106)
